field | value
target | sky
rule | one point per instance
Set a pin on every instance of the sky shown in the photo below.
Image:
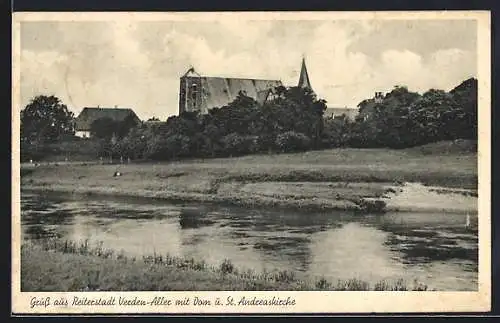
(137, 64)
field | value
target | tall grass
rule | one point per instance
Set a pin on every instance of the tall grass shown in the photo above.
(107, 269)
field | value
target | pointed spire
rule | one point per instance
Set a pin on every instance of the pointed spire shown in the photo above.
(304, 77)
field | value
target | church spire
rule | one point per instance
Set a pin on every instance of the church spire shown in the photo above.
(304, 77)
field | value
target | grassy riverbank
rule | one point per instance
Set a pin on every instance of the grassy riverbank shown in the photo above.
(357, 179)
(65, 266)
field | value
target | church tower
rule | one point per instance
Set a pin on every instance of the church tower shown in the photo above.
(304, 77)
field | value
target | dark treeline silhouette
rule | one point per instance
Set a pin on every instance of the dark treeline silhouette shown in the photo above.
(292, 121)
(405, 119)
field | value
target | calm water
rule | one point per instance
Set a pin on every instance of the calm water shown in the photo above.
(434, 248)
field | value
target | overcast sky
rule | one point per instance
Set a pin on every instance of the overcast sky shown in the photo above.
(138, 64)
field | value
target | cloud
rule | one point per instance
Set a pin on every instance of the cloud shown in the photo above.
(138, 64)
(444, 65)
(42, 73)
(422, 37)
(406, 65)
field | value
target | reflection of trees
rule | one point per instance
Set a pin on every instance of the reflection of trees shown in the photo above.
(43, 225)
(282, 236)
(289, 249)
(433, 244)
(33, 204)
(273, 221)
(42, 215)
(192, 218)
(39, 232)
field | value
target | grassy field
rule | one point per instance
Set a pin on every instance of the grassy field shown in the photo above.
(328, 179)
(65, 266)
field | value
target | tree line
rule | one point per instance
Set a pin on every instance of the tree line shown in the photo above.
(405, 119)
(290, 122)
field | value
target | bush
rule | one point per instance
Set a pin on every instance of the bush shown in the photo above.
(163, 148)
(226, 267)
(235, 144)
(74, 149)
(291, 141)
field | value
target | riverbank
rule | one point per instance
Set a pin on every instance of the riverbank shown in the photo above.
(367, 180)
(66, 266)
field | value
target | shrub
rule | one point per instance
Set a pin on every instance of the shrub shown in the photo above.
(292, 141)
(322, 284)
(235, 144)
(226, 266)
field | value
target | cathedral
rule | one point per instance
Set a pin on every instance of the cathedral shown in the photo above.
(304, 77)
(202, 93)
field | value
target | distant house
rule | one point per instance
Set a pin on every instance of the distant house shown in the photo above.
(88, 115)
(152, 122)
(332, 113)
(367, 107)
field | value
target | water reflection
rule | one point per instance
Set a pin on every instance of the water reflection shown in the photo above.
(193, 218)
(434, 248)
(426, 238)
(358, 247)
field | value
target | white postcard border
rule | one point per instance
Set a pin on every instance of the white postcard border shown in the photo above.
(305, 302)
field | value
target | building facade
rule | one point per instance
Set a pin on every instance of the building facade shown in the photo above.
(333, 113)
(201, 93)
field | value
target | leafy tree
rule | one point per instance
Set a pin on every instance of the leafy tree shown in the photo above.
(404, 119)
(291, 141)
(297, 109)
(292, 120)
(123, 127)
(211, 135)
(106, 128)
(432, 117)
(465, 96)
(178, 145)
(235, 144)
(103, 128)
(141, 141)
(384, 123)
(46, 119)
(336, 132)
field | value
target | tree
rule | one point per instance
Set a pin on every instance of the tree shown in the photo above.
(335, 133)
(385, 123)
(297, 109)
(46, 119)
(235, 144)
(103, 128)
(123, 127)
(465, 96)
(135, 143)
(178, 145)
(432, 116)
(291, 141)
(211, 134)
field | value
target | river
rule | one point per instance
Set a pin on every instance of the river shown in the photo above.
(435, 249)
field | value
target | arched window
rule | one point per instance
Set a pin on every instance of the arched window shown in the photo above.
(194, 93)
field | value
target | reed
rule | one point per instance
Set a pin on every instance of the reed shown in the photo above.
(55, 265)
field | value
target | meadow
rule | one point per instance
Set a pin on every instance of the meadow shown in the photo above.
(327, 179)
